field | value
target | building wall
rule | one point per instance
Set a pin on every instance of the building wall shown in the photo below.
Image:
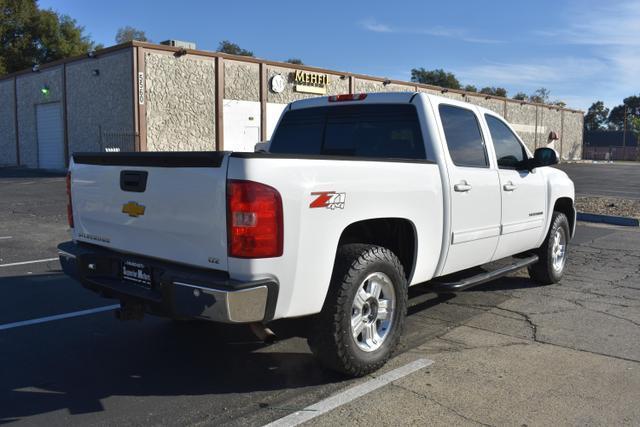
(362, 85)
(7, 124)
(180, 102)
(29, 95)
(573, 124)
(100, 107)
(241, 81)
(179, 110)
(548, 121)
(495, 105)
(523, 119)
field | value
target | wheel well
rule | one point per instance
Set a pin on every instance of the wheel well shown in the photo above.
(395, 234)
(565, 205)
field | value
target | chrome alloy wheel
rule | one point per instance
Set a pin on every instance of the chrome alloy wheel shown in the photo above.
(558, 250)
(372, 311)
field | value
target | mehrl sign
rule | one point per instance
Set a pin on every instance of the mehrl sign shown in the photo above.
(310, 82)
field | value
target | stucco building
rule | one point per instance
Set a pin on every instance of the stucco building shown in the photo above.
(146, 97)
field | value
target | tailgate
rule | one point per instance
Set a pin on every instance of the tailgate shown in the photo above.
(170, 206)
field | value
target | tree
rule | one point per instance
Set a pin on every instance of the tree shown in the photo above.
(437, 77)
(596, 117)
(633, 124)
(128, 33)
(541, 96)
(470, 88)
(520, 96)
(616, 116)
(495, 91)
(29, 36)
(226, 46)
(297, 61)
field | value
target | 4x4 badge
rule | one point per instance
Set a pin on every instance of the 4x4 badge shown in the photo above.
(328, 200)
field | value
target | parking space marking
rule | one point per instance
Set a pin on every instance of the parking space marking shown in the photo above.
(6, 237)
(13, 264)
(58, 317)
(349, 395)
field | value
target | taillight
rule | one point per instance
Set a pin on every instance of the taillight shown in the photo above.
(348, 97)
(69, 205)
(254, 218)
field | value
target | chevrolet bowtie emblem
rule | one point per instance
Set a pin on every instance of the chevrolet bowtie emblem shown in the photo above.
(133, 209)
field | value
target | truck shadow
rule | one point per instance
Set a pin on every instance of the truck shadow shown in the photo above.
(75, 364)
(20, 172)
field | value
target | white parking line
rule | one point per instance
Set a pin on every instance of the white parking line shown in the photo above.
(6, 237)
(349, 395)
(58, 317)
(13, 264)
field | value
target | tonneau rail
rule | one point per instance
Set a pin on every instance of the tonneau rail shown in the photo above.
(198, 159)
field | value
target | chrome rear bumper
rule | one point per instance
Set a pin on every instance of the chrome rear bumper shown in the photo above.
(176, 290)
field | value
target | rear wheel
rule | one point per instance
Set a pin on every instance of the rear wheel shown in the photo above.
(553, 252)
(363, 315)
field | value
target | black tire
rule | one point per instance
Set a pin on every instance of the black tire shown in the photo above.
(544, 272)
(331, 339)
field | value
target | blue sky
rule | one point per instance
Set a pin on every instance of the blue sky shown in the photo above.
(581, 50)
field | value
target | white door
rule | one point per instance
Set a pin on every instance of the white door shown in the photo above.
(475, 190)
(50, 136)
(241, 125)
(523, 192)
(250, 138)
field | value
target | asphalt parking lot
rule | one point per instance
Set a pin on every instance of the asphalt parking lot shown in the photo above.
(507, 352)
(620, 179)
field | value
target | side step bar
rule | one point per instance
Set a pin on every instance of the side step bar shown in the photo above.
(478, 279)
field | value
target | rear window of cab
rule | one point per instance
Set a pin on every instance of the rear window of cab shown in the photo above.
(366, 130)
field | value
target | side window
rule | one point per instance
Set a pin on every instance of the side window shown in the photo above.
(464, 138)
(509, 152)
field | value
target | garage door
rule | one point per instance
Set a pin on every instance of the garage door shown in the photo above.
(50, 140)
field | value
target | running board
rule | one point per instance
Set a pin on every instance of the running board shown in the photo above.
(478, 279)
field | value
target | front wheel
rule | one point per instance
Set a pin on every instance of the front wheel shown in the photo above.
(363, 315)
(553, 252)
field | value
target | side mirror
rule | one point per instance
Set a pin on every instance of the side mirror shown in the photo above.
(543, 157)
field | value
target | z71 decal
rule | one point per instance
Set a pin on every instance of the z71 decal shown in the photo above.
(328, 200)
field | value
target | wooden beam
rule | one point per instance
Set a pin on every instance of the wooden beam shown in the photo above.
(134, 98)
(263, 102)
(219, 104)
(142, 107)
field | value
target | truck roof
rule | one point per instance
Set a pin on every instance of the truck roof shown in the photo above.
(377, 98)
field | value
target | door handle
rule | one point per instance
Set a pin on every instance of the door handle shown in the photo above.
(509, 186)
(462, 187)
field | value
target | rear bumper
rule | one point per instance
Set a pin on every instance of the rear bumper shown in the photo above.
(176, 290)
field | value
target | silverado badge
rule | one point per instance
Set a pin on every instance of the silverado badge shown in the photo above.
(133, 209)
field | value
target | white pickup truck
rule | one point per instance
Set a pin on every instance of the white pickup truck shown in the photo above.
(356, 198)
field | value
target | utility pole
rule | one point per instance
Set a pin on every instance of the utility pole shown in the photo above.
(624, 130)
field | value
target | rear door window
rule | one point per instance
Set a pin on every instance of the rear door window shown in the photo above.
(463, 135)
(367, 131)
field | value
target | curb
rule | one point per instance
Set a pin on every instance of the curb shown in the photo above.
(608, 219)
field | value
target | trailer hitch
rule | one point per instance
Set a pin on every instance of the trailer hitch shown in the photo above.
(129, 311)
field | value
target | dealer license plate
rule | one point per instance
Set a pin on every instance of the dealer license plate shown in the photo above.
(137, 272)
